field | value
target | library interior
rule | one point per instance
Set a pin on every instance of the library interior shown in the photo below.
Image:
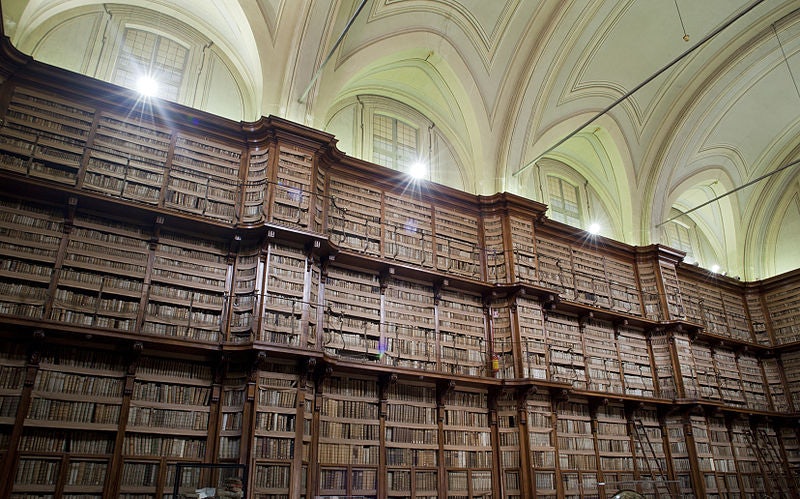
(399, 249)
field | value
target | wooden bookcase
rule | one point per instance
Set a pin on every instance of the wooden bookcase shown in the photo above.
(292, 188)
(679, 448)
(509, 445)
(457, 242)
(127, 158)
(278, 428)
(614, 447)
(285, 304)
(352, 314)
(523, 249)
(409, 324)
(188, 287)
(44, 136)
(30, 240)
(467, 447)
(577, 458)
(220, 293)
(534, 348)
(412, 440)
(168, 421)
(462, 333)
(349, 436)
(544, 453)
(408, 230)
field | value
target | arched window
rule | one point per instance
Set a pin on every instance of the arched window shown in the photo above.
(146, 54)
(564, 201)
(395, 143)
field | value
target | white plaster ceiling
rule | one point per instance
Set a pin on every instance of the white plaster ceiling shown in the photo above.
(507, 80)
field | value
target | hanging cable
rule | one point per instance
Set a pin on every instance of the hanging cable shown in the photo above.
(302, 98)
(786, 60)
(685, 34)
(658, 73)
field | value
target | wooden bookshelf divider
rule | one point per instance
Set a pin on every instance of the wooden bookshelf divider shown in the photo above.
(544, 453)
(353, 314)
(412, 440)
(349, 436)
(409, 322)
(355, 216)
(463, 346)
(467, 443)
(30, 236)
(408, 230)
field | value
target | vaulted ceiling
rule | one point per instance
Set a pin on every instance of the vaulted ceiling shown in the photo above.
(656, 105)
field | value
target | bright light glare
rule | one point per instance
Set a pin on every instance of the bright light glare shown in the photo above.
(418, 170)
(147, 86)
(594, 229)
(715, 268)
